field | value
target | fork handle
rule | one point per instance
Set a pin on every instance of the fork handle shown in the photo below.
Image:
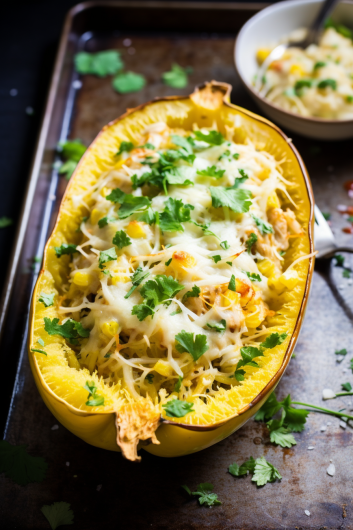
(330, 254)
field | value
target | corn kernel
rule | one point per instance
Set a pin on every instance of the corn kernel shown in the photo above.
(297, 69)
(82, 279)
(256, 315)
(264, 174)
(262, 54)
(275, 284)
(163, 368)
(289, 279)
(266, 267)
(135, 230)
(110, 328)
(105, 191)
(182, 260)
(273, 201)
(229, 297)
(95, 216)
(120, 278)
(119, 164)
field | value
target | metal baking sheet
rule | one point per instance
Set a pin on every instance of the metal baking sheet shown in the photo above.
(101, 487)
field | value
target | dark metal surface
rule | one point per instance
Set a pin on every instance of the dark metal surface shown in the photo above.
(148, 495)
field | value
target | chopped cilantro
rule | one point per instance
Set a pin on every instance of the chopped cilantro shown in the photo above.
(349, 99)
(319, 64)
(107, 255)
(178, 384)
(19, 466)
(125, 147)
(183, 142)
(46, 299)
(167, 263)
(340, 28)
(238, 200)
(264, 472)
(238, 471)
(194, 293)
(216, 258)
(186, 342)
(273, 340)
(301, 84)
(351, 364)
(347, 387)
(39, 351)
(253, 277)
(341, 352)
(67, 168)
(71, 329)
(65, 248)
(263, 226)
(205, 229)
(71, 152)
(178, 176)
(177, 312)
(236, 156)
(175, 213)
(346, 273)
(292, 418)
(217, 326)
(96, 401)
(211, 171)
(121, 240)
(177, 77)
(155, 292)
(252, 239)
(149, 378)
(225, 245)
(204, 494)
(127, 82)
(136, 279)
(249, 353)
(177, 409)
(211, 138)
(232, 285)
(226, 154)
(5, 221)
(339, 260)
(142, 311)
(106, 220)
(148, 216)
(326, 216)
(229, 263)
(103, 63)
(58, 514)
(325, 83)
(41, 342)
(128, 203)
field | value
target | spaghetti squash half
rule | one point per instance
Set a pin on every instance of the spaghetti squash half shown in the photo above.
(175, 280)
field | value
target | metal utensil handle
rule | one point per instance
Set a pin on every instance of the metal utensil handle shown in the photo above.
(316, 26)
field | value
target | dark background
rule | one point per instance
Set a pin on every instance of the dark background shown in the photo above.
(29, 35)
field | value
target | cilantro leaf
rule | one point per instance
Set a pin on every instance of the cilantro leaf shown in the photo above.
(238, 200)
(136, 279)
(232, 285)
(103, 63)
(194, 293)
(168, 262)
(128, 203)
(253, 276)
(179, 176)
(177, 409)
(211, 171)
(65, 248)
(249, 353)
(159, 289)
(125, 147)
(319, 64)
(281, 436)
(264, 472)
(71, 329)
(341, 352)
(58, 514)
(5, 221)
(39, 351)
(217, 326)
(142, 311)
(116, 196)
(182, 142)
(67, 168)
(212, 137)
(226, 154)
(275, 339)
(204, 494)
(19, 466)
(339, 260)
(186, 342)
(351, 364)
(295, 419)
(325, 83)
(105, 220)
(347, 387)
(121, 240)
(175, 213)
(107, 255)
(148, 216)
(96, 400)
(205, 229)
(71, 150)
(127, 82)
(177, 77)
(225, 245)
(263, 226)
(346, 273)
(268, 409)
(46, 299)
(238, 471)
(251, 241)
(216, 258)
(178, 384)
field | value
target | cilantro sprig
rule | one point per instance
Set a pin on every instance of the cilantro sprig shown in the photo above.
(71, 329)
(127, 82)
(71, 151)
(106, 255)
(263, 226)
(194, 293)
(238, 200)
(204, 494)
(121, 240)
(262, 470)
(211, 138)
(58, 514)
(19, 466)
(47, 299)
(65, 248)
(177, 408)
(93, 399)
(128, 203)
(211, 171)
(186, 343)
(177, 77)
(155, 292)
(174, 213)
(137, 278)
(107, 62)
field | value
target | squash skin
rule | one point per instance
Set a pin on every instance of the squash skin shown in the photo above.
(97, 426)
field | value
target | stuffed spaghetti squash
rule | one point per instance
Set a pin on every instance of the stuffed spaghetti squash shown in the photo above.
(175, 279)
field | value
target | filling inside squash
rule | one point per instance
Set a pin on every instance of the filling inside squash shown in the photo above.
(168, 277)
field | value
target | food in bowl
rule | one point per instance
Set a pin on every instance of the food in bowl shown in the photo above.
(316, 81)
(175, 279)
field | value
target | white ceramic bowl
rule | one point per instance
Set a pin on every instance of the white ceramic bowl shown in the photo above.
(268, 27)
